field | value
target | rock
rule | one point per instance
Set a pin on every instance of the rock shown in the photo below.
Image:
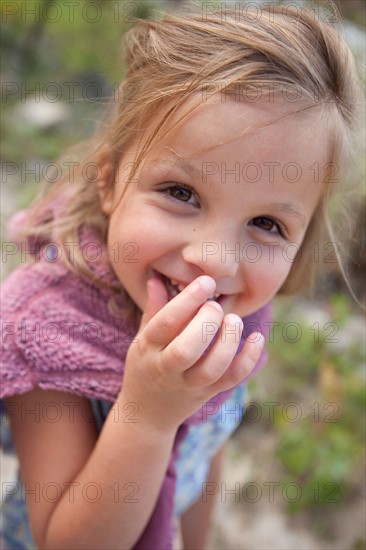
(42, 113)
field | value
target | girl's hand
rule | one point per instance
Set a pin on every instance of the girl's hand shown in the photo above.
(166, 376)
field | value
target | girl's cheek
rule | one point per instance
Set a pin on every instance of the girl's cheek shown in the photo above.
(272, 268)
(276, 255)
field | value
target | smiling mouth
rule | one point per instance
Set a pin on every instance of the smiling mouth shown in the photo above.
(174, 287)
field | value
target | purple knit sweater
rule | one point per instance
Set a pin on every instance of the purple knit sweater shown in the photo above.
(58, 334)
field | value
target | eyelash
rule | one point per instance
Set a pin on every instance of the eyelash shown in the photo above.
(280, 229)
(167, 192)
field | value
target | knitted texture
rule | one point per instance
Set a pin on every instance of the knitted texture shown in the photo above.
(59, 334)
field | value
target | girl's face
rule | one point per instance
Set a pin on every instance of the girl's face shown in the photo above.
(208, 202)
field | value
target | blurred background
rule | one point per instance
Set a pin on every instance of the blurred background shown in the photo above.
(294, 475)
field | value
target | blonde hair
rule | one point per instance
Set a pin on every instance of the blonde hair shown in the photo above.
(170, 59)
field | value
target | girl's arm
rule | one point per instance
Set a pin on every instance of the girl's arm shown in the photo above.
(167, 378)
(84, 492)
(196, 521)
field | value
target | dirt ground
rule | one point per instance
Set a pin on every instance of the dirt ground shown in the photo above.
(266, 524)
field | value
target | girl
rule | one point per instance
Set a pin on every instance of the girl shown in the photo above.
(133, 332)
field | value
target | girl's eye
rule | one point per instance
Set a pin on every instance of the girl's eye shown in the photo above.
(267, 224)
(181, 193)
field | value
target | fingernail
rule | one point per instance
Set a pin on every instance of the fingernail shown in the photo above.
(214, 304)
(232, 319)
(207, 282)
(257, 339)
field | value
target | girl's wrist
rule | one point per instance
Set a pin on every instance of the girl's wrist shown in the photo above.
(140, 420)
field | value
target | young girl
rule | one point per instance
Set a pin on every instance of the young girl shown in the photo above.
(128, 340)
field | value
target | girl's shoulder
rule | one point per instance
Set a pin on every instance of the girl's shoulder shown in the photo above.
(44, 291)
(29, 281)
(57, 332)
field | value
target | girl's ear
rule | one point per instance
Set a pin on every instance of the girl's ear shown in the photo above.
(105, 185)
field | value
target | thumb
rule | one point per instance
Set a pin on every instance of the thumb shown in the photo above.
(157, 297)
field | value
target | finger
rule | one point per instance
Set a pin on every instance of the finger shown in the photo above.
(242, 365)
(177, 313)
(220, 355)
(187, 348)
(157, 297)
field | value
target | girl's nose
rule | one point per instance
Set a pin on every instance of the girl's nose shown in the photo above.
(215, 258)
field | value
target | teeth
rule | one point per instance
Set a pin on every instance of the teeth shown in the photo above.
(173, 290)
(177, 284)
(175, 287)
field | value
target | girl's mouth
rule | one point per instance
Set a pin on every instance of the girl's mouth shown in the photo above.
(174, 287)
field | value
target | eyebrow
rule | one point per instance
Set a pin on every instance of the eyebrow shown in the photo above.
(288, 208)
(180, 164)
